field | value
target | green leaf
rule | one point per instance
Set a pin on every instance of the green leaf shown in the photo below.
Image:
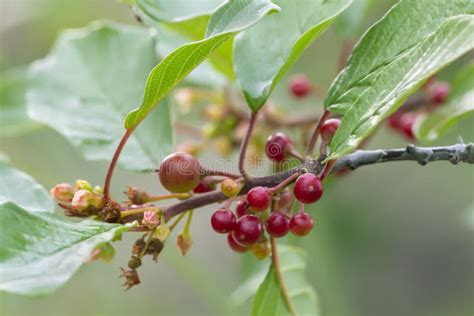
(17, 186)
(411, 43)
(460, 103)
(202, 75)
(189, 19)
(87, 84)
(40, 251)
(229, 19)
(13, 118)
(265, 52)
(269, 301)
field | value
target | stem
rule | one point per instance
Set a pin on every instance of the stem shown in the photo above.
(279, 276)
(293, 153)
(177, 220)
(136, 211)
(147, 243)
(327, 169)
(169, 196)
(423, 155)
(345, 52)
(187, 225)
(285, 183)
(113, 163)
(314, 136)
(245, 144)
(221, 173)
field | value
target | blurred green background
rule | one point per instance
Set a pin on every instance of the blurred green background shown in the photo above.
(393, 239)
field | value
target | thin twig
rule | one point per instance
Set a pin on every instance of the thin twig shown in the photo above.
(245, 144)
(279, 277)
(314, 136)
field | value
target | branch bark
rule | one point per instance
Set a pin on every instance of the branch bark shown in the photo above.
(423, 155)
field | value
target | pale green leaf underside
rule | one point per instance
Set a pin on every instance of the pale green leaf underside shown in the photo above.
(19, 187)
(459, 104)
(40, 251)
(366, 98)
(263, 53)
(269, 302)
(227, 20)
(13, 118)
(88, 83)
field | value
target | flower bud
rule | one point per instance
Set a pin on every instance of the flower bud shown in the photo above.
(184, 241)
(82, 199)
(150, 219)
(162, 232)
(97, 201)
(98, 190)
(136, 196)
(83, 185)
(63, 192)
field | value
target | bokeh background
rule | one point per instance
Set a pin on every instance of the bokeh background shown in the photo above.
(393, 239)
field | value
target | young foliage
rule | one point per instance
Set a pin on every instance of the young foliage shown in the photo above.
(459, 104)
(269, 300)
(13, 118)
(412, 42)
(35, 242)
(260, 60)
(87, 84)
(20, 188)
(225, 22)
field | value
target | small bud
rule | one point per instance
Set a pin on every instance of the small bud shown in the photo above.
(97, 201)
(98, 190)
(162, 232)
(134, 263)
(83, 185)
(261, 249)
(154, 248)
(82, 199)
(230, 187)
(150, 219)
(184, 241)
(137, 196)
(63, 192)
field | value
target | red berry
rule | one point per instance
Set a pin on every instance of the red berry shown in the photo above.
(438, 92)
(180, 172)
(329, 128)
(259, 198)
(248, 230)
(234, 245)
(241, 209)
(223, 220)
(407, 121)
(300, 86)
(308, 188)
(277, 146)
(285, 201)
(202, 187)
(301, 224)
(394, 120)
(278, 224)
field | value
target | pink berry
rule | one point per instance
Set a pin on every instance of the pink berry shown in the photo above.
(223, 220)
(407, 121)
(300, 86)
(278, 224)
(259, 199)
(438, 92)
(180, 172)
(234, 245)
(202, 187)
(394, 120)
(277, 146)
(248, 230)
(329, 128)
(241, 209)
(301, 224)
(308, 188)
